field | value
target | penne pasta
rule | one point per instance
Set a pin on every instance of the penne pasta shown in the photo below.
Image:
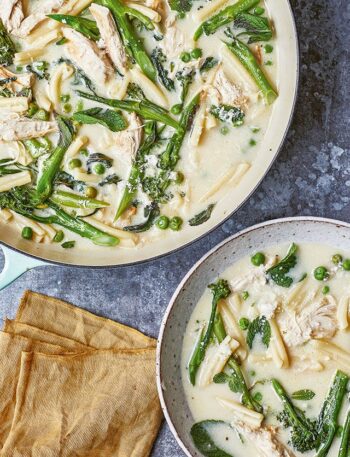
(277, 347)
(8, 182)
(76, 146)
(111, 230)
(343, 313)
(241, 412)
(232, 328)
(208, 10)
(23, 221)
(151, 91)
(29, 56)
(148, 12)
(5, 215)
(61, 73)
(14, 104)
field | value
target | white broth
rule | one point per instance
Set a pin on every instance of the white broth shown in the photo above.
(308, 340)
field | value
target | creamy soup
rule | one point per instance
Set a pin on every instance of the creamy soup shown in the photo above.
(126, 123)
(265, 359)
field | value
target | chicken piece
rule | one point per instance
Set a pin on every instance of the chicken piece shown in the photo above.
(38, 15)
(11, 14)
(174, 41)
(315, 321)
(112, 41)
(129, 140)
(225, 92)
(87, 56)
(264, 439)
(24, 129)
(254, 276)
(22, 81)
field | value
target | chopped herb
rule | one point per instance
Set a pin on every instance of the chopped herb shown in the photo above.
(325, 290)
(113, 120)
(245, 295)
(151, 213)
(268, 48)
(68, 244)
(229, 114)
(203, 216)
(304, 394)
(257, 28)
(208, 64)
(58, 238)
(278, 273)
(261, 326)
(110, 179)
(204, 442)
(244, 323)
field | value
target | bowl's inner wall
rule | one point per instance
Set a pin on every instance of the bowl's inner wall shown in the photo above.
(287, 231)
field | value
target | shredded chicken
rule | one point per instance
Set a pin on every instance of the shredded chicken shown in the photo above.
(86, 55)
(264, 439)
(316, 320)
(254, 276)
(129, 140)
(111, 40)
(19, 82)
(24, 129)
(39, 14)
(11, 14)
(225, 92)
(174, 41)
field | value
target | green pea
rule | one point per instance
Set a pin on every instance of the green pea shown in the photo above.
(47, 144)
(32, 109)
(337, 259)
(74, 163)
(244, 323)
(99, 169)
(196, 53)
(84, 152)
(180, 177)
(59, 236)
(181, 15)
(258, 397)
(346, 265)
(80, 105)
(185, 57)
(258, 10)
(19, 69)
(224, 130)
(91, 192)
(268, 63)
(175, 223)
(245, 295)
(42, 115)
(27, 233)
(258, 259)
(68, 244)
(163, 222)
(176, 109)
(252, 142)
(321, 273)
(268, 48)
(67, 107)
(65, 98)
(255, 129)
(325, 290)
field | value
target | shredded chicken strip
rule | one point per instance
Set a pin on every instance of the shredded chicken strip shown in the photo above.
(225, 92)
(129, 140)
(20, 81)
(24, 129)
(11, 14)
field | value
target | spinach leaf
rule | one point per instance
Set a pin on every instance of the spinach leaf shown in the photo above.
(227, 113)
(257, 28)
(151, 213)
(260, 326)
(113, 120)
(7, 48)
(158, 58)
(85, 26)
(278, 273)
(181, 6)
(202, 217)
(304, 394)
(208, 64)
(110, 179)
(63, 178)
(204, 442)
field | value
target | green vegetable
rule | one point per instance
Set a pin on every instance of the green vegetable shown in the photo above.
(7, 48)
(144, 108)
(248, 60)
(42, 115)
(258, 10)
(180, 177)
(245, 295)
(328, 418)
(175, 223)
(90, 192)
(258, 259)
(37, 146)
(220, 291)
(151, 213)
(337, 259)
(346, 264)
(325, 290)
(344, 449)
(162, 222)
(204, 442)
(202, 217)
(185, 78)
(278, 273)
(244, 323)
(66, 179)
(32, 109)
(259, 325)
(208, 64)
(159, 59)
(27, 233)
(196, 53)
(59, 236)
(76, 201)
(132, 43)
(74, 163)
(226, 113)
(182, 6)
(303, 430)
(85, 26)
(321, 273)
(185, 57)
(176, 109)
(67, 107)
(98, 158)
(39, 69)
(68, 244)
(257, 28)
(110, 179)
(304, 395)
(224, 130)
(224, 17)
(99, 169)
(268, 48)
(252, 142)
(52, 164)
(113, 120)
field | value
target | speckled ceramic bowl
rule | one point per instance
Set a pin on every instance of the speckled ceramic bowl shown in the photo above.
(258, 237)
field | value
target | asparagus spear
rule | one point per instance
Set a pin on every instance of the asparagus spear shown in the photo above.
(86, 27)
(76, 201)
(344, 450)
(52, 164)
(248, 60)
(132, 43)
(145, 108)
(223, 17)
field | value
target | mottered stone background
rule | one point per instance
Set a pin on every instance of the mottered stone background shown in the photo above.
(310, 177)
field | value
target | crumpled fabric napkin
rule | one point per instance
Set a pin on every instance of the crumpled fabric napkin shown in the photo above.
(84, 385)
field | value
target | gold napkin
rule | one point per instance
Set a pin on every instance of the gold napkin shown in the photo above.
(85, 385)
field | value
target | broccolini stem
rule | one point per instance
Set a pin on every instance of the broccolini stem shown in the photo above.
(224, 17)
(52, 164)
(145, 108)
(132, 43)
(248, 60)
(6, 46)
(76, 201)
(344, 450)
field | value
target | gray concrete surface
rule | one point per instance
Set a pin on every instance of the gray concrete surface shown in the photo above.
(311, 177)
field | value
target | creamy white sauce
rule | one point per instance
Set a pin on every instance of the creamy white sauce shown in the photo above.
(203, 400)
